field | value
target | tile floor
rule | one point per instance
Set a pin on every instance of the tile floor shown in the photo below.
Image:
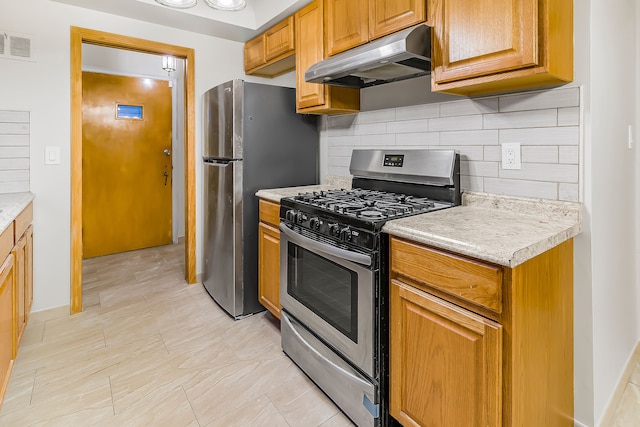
(150, 350)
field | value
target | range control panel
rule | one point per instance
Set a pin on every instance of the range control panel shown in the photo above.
(394, 160)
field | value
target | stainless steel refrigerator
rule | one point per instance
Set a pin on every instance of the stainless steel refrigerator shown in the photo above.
(253, 139)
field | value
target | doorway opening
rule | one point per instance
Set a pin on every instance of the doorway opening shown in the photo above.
(80, 36)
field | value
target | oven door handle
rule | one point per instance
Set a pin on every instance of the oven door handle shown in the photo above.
(327, 249)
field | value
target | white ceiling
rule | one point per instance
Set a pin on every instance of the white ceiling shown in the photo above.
(237, 26)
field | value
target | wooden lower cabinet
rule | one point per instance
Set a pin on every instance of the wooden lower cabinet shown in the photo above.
(478, 344)
(269, 257)
(23, 259)
(445, 362)
(6, 323)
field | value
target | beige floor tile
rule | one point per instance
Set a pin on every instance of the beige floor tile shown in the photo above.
(302, 404)
(628, 412)
(338, 420)
(148, 349)
(257, 413)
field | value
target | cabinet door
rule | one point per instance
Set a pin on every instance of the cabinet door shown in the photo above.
(19, 253)
(445, 362)
(475, 38)
(309, 50)
(269, 268)
(389, 16)
(254, 53)
(278, 40)
(346, 24)
(6, 322)
(28, 274)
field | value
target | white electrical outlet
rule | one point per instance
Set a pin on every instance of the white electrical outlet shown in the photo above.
(511, 156)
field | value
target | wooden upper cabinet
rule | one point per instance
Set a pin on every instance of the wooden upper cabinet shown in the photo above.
(350, 23)
(386, 17)
(346, 24)
(271, 53)
(254, 53)
(316, 98)
(484, 47)
(278, 40)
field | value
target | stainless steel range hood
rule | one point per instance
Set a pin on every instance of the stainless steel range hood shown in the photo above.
(402, 55)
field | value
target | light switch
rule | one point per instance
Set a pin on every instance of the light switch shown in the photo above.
(51, 155)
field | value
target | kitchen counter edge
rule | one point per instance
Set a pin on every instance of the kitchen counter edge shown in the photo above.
(331, 183)
(504, 230)
(11, 205)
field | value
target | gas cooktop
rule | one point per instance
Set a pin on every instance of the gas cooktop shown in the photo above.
(372, 205)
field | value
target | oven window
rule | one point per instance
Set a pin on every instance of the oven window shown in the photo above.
(324, 287)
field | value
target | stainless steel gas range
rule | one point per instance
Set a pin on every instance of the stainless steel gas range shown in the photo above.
(334, 281)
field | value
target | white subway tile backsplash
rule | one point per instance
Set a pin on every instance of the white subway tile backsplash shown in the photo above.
(426, 138)
(469, 137)
(478, 168)
(545, 123)
(474, 153)
(456, 123)
(521, 119)
(377, 116)
(569, 116)
(566, 97)
(568, 192)
(568, 154)
(543, 172)
(407, 126)
(14, 140)
(518, 187)
(471, 183)
(468, 107)
(542, 136)
(539, 154)
(370, 128)
(426, 111)
(14, 151)
(14, 116)
(14, 175)
(9, 128)
(14, 187)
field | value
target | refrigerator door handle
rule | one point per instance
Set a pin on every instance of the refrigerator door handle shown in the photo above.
(218, 163)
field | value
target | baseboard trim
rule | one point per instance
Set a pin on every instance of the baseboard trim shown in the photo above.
(609, 413)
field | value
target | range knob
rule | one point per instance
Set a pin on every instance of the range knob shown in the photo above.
(300, 217)
(334, 230)
(314, 223)
(345, 234)
(290, 215)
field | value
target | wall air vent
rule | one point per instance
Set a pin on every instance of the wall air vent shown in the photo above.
(17, 46)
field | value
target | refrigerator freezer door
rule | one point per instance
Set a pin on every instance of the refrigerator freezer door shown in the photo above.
(219, 122)
(223, 234)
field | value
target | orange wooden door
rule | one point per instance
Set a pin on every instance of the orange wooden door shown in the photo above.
(126, 172)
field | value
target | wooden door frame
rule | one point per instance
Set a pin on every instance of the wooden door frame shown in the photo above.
(84, 35)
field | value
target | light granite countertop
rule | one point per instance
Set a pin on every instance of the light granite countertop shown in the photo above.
(331, 183)
(501, 229)
(11, 204)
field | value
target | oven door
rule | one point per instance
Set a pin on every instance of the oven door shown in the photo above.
(330, 291)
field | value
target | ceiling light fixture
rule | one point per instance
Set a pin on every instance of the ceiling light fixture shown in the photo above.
(226, 4)
(178, 4)
(168, 64)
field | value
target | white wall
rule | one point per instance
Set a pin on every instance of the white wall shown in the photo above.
(42, 88)
(612, 186)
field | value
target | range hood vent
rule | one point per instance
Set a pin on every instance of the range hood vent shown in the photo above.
(402, 55)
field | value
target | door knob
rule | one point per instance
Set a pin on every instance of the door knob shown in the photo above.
(167, 152)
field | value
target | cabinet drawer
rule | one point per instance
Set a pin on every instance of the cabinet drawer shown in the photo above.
(464, 278)
(6, 242)
(22, 221)
(270, 213)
